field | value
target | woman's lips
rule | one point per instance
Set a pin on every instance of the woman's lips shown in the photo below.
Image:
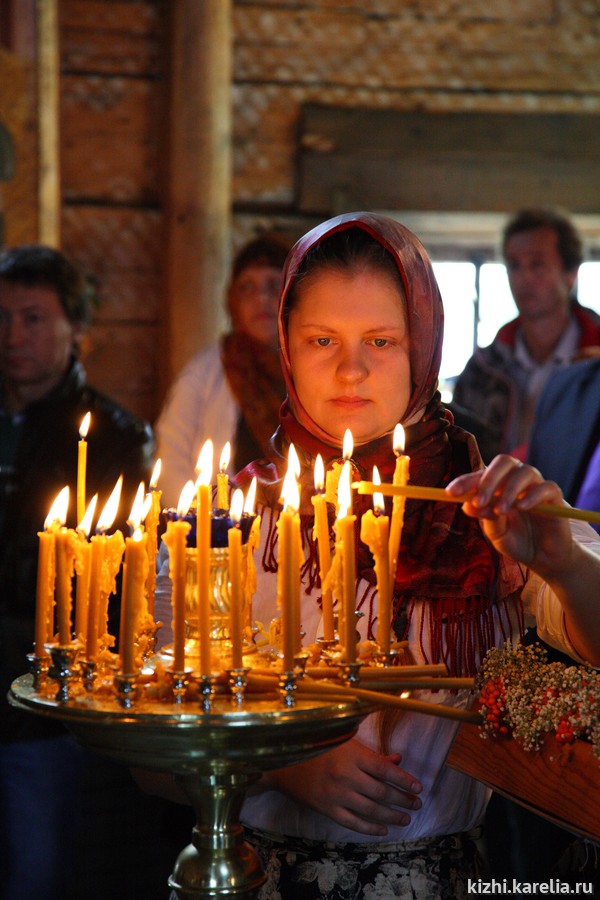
(350, 402)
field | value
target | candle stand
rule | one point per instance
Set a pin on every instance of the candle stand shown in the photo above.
(215, 752)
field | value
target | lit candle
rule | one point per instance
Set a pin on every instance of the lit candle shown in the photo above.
(151, 527)
(322, 535)
(46, 571)
(234, 543)
(203, 536)
(135, 571)
(65, 558)
(333, 474)
(288, 567)
(105, 562)
(223, 479)
(374, 532)
(83, 558)
(344, 529)
(253, 543)
(82, 465)
(400, 478)
(175, 539)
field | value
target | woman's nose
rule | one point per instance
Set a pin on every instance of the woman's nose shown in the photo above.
(352, 366)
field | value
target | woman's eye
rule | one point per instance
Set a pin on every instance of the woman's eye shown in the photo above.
(323, 342)
(380, 342)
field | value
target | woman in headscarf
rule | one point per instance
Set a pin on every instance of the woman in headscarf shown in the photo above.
(360, 327)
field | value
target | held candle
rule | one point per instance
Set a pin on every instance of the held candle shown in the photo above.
(400, 478)
(222, 478)
(234, 543)
(203, 534)
(322, 534)
(82, 465)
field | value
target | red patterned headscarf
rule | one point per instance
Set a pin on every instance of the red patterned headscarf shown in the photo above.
(444, 560)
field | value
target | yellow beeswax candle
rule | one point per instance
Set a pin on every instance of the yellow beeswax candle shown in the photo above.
(234, 543)
(82, 465)
(253, 543)
(46, 571)
(345, 544)
(151, 523)
(102, 567)
(288, 564)
(374, 532)
(176, 540)
(223, 479)
(136, 568)
(65, 559)
(322, 535)
(203, 544)
(83, 559)
(400, 478)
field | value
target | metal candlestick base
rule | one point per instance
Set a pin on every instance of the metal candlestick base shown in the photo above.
(215, 755)
(350, 673)
(62, 668)
(38, 666)
(238, 679)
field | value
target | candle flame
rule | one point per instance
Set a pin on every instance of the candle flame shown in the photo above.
(85, 425)
(137, 535)
(135, 516)
(85, 526)
(399, 440)
(348, 445)
(204, 466)
(319, 475)
(250, 498)
(185, 498)
(378, 504)
(293, 461)
(345, 491)
(155, 474)
(289, 492)
(237, 505)
(225, 457)
(109, 513)
(58, 510)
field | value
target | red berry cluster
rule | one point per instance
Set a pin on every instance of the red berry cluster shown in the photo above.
(565, 733)
(493, 701)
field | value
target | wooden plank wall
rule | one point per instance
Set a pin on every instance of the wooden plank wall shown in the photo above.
(435, 56)
(113, 61)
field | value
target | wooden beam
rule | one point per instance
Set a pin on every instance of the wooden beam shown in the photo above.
(48, 69)
(198, 178)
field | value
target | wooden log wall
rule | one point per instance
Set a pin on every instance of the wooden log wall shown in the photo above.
(434, 56)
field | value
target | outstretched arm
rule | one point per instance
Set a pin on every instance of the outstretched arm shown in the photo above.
(503, 495)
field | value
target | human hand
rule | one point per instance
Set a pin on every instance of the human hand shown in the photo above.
(501, 497)
(356, 787)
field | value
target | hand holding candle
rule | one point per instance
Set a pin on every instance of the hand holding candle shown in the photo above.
(82, 465)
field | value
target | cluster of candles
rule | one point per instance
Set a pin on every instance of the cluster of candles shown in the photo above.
(97, 560)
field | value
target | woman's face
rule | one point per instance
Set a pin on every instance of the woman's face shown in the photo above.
(349, 352)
